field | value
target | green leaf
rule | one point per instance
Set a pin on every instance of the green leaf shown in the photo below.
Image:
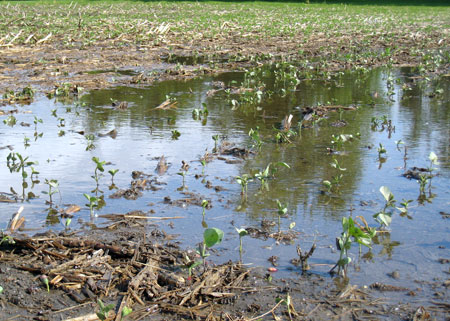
(212, 236)
(433, 158)
(126, 311)
(386, 193)
(242, 231)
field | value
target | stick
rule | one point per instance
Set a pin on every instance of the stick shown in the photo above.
(270, 311)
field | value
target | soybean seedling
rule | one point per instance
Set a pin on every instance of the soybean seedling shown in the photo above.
(44, 280)
(90, 142)
(175, 134)
(184, 170)
(211, 237)
(104, 310)
(384, 217)
(205, 204)
(216, 141)
(53, 188)
(93, 201)
(203, 162)
(256, 138)
(404, 209)
(97, 172)
(190, 265)
(350, 233)
(112, 172)
(282, 210)
(242, 232)
(125, 311)
(381, 151)
(243, 181)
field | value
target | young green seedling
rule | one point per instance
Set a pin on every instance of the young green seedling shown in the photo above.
(243, 181)
(125, 311)
(350, 233)
(381, 151)
(383, 217)
(93, 201)
(282, 210)
(190, 265)
(175, 134)
(203, 162)
(53, 188)
(256, 138)
(211, 237)
(97, 172)
(216, 141)
(112, 172)
(242, 232)
(44, 280)
(104, 310)
(205, 204)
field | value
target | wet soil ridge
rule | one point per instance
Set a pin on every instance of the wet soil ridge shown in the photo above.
(147, 272)
(131, 270)
(44, 45)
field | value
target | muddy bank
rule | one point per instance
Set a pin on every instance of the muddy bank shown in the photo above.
(124, 265)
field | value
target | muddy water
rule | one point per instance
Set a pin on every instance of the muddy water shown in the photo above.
(421, 117)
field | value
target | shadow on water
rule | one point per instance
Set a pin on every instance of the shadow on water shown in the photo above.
(143, 133)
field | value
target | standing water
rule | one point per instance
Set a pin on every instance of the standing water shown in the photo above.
(373, 126)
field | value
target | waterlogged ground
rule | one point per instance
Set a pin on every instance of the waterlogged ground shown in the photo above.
(412, 253)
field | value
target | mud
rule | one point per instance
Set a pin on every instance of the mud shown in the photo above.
(125, 264)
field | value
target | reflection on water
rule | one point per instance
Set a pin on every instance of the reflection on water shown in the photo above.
(419, 117)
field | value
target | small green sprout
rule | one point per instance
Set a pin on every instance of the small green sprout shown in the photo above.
(175, 134)
(205, 204)
(44, 280)
(282, 210)
(216, 141)
(381, 150)
(93, 201)
(112, 172)
(53, 188)
(243, 181)
(383, 217)
(104, 310)
(242, 232)
(125, 311)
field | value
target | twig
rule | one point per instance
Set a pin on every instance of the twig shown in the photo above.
(270, 311)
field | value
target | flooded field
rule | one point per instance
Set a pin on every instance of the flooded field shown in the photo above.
(178, 143)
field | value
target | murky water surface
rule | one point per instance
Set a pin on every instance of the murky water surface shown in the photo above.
(419, 111)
